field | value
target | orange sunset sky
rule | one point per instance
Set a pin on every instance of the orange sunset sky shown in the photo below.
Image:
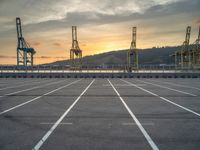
(102, 25)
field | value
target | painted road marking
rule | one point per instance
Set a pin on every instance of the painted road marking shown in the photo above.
(22, 104)
(175, 84)
(45, 137)
(33, 82)
(123, 85)
(62, 123)
(168, 88)
(24, 84)
(36, 87)
(146, 135)
(167, 100)
(133, 124)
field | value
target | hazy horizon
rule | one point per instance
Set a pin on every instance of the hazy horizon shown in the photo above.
(102, 26)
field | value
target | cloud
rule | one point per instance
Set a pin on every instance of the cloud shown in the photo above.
(35, 44)
(50, 57)
(34, 11)
(100, 23)
(43, 16)
(196, 22)
(44, 57)
(38, 57)
(83, 45)
(6, 57)
(57, 44)
(109, 12)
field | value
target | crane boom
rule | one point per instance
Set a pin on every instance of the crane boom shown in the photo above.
(24, 51)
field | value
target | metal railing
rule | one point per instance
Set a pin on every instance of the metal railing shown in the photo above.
(99, 69)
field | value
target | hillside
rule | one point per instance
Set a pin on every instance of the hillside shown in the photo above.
(146, 57)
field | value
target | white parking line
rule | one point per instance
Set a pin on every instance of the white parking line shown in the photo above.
(133, 124)
(22, 104)
(62, 123)
(9, 87)
(16, 81)
(35, 87)
(168, 88)
(189, 110)
(33, 82)
(175, 84)
(146, 135)
(167, 100)
(45, 137)
(123, 85)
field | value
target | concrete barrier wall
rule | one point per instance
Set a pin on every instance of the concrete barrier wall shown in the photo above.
(100, 75)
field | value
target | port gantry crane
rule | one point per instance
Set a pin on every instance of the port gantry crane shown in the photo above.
(132, 54)
(183, 56)
(75, 51)
(189, 55)
(196, 51)
(24, 51)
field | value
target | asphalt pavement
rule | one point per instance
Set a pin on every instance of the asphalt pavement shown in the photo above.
(96, 114)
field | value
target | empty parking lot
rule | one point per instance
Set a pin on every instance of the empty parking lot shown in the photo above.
(99, 114)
